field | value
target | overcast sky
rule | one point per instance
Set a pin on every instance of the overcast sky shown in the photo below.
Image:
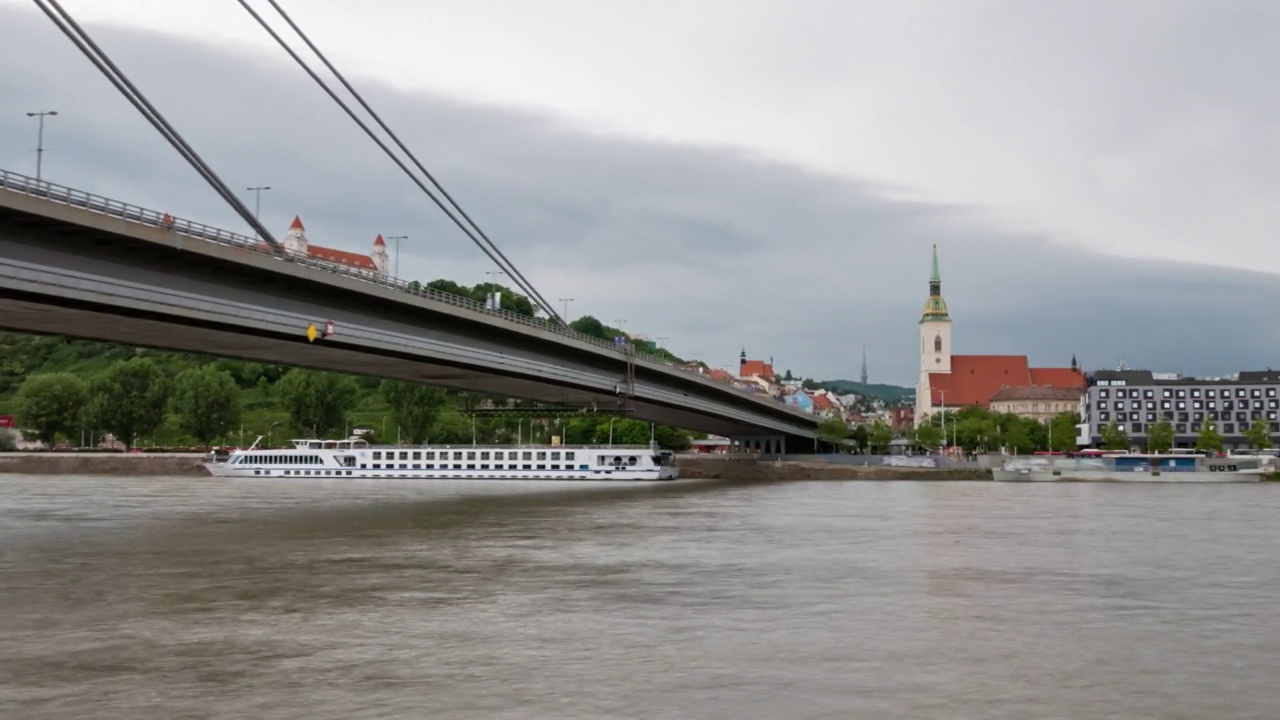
(1098, 175)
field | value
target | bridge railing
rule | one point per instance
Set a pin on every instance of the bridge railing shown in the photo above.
(132, 213)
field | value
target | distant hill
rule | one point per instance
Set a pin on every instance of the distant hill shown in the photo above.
(888, 393)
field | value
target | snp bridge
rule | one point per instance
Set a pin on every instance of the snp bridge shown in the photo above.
(73, 263)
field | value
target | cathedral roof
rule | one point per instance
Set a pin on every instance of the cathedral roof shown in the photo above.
(378, 241)
(296, 224)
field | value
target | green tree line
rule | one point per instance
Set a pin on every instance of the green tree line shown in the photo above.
(74, 392)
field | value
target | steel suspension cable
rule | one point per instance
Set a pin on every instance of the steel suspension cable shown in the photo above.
(69, 27)
(487, 246)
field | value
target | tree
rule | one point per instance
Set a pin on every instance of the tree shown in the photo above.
(1018, 438)
(1160, 436)
(1113, 438)
(317, 402)
(880, 436)
(1209, 438)
(1259, 435)
(207, 401)
(928, 436)
(130, 399)
(832, 430)
(50, 404)
(861, 438)
(588, 325)
(415, 407)
(1063, 435)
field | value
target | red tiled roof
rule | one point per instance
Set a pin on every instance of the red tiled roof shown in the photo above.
(975, 378)
(296, 224)
(1036, 392)
(822, 402)
(379, 241)
(718, 374)
(759, 368)
(341, 257)
(1057, 378)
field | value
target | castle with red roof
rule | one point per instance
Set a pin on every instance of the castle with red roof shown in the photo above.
(295, 241)
(954, 381)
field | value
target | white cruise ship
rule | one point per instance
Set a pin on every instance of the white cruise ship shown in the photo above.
(356, 458)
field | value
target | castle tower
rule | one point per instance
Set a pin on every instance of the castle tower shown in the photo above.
(295, 241)
(379, 255)
(935, 342)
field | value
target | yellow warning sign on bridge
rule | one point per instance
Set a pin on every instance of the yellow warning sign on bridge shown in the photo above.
(312, 333)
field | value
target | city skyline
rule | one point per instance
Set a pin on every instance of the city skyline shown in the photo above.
(804, 263)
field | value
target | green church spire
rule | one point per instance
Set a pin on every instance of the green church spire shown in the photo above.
(935, 308)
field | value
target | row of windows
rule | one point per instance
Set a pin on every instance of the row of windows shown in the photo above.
(1148, 394)
(1241, 417)
(473, 466)
(1182, 404)
(470, 455)
(1184, 428)
(282, 460)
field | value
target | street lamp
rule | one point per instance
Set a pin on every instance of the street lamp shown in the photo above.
(566, 302)
(611, 431)
(257, 201)
(397, 238)
(42, 114)
(269, 429)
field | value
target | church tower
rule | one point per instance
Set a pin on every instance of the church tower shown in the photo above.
(295, 241)
(935, 342)
(379, 257)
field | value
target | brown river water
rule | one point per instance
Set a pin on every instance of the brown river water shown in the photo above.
(199, 598)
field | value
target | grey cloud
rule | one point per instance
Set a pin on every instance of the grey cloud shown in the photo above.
(708, 246)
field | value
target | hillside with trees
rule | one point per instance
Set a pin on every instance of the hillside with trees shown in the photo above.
(890, 394)
(73, 392)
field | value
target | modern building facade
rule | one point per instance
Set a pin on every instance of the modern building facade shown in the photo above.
(1137, 399)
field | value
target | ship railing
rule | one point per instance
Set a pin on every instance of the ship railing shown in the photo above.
(510, 446)
(62, 194)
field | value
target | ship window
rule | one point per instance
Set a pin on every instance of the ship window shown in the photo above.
(484, 455)
(404, 454)
(617, 460)
(471, 455)
(555, 467)
(471, 466)
(542, 455)
(417, 466)
(526, 455)
(417, 454)
(484, 466)
(526, 467)
(568, 456)
(542, 467)
(377, 466)
(631, 460)
(377, 454)
(555, 457)
(457, 455)
(499, 456)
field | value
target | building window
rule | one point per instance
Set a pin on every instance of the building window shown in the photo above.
(1148, 394)
(1239, 392)
(1182, 404)
(1213, 404)
(1182, 427)
(937, 343)
(1195, 392)
(1255, 393)
(1104, 417)
(1182, 393)
(1151, 417)
(1102, 404)
(1210, 393)
(1165, 405)
(1151, 405)
(1198, 417)
(1228, 428)
(1242, 417)
(1167, 393)
(1107, 393)
(1197, 404)
(1271, 392)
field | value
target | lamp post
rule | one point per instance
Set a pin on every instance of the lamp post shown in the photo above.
(257, 201)
(269, 429)
(396, 266)
(493, 282)
(42, 114)
(566, 302)
(611, 431)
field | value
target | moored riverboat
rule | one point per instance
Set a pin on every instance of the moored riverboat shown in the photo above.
(356, 458)
(1137, 467)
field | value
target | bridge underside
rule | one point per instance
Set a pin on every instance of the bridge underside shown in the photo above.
(38, 316)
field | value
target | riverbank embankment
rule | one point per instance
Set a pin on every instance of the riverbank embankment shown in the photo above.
(132, 464)
(746, 468)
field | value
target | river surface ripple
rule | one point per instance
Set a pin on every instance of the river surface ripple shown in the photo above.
(195, 598)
